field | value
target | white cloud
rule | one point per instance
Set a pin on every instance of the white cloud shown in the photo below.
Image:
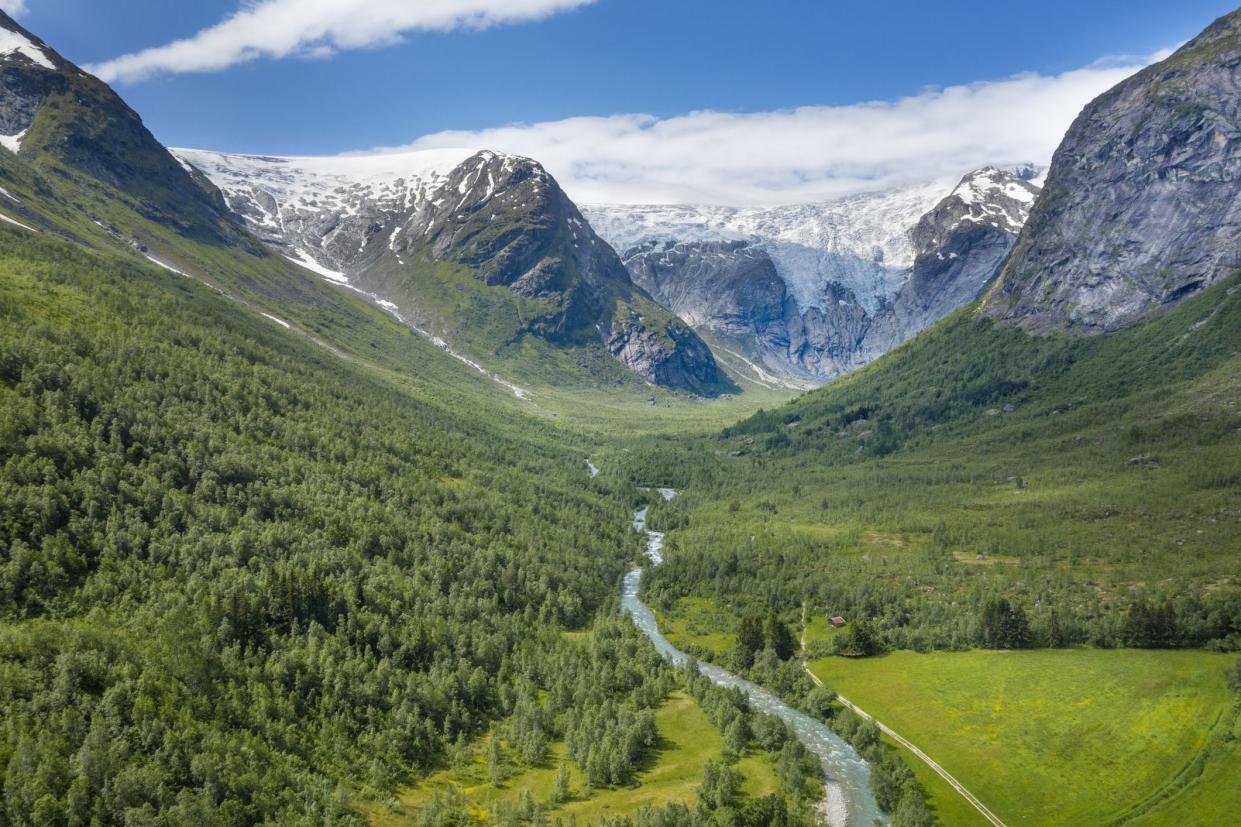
(316, 28)
(13, 7)
(805, 154)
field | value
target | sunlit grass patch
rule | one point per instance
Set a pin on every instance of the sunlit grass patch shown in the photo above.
(1070, 736)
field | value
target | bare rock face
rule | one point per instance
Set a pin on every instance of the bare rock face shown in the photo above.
(825, 341)
(508, 220)
(727, 287)
(733, 290)
(666, 353)
(29, 74)
(1141, 208)
(960, 246)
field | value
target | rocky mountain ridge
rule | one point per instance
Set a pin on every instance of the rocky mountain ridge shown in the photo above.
(70, 124)
(802, 293)
(390, 224)
(325, 213)
(860, 242)
(1142, 206)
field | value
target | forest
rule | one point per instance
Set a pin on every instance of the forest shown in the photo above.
(244, 577)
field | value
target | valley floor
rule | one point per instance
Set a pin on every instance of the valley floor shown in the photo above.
(1048, 736)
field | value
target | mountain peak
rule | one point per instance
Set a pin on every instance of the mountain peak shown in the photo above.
(325, 211)
(994, 196)
(64, 121)
(395, 224)
(27, 76)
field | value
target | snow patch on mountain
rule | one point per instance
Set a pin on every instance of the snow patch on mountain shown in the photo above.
(404, 178)
(15, 222)
(304, 259)
(13, 143)
(162, 264)
(984, 190)
(15, 43)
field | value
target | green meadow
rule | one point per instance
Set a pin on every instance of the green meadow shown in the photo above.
(1070, 736)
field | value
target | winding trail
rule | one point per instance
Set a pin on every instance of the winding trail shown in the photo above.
(900, 739)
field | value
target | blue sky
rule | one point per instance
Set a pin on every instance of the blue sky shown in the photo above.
(662, 58)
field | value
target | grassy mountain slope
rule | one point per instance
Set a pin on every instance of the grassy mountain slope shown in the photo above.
(249, 578)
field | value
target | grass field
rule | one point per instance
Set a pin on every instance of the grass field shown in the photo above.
(687, 741)
(697, 621)
(1076, 736)
(818, 631)
(603, 414)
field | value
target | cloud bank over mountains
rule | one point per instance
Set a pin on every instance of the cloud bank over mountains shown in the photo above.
(730, 158)
(806, 154)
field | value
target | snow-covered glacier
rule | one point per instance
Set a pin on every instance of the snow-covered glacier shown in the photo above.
(860, 243)
(814, 290)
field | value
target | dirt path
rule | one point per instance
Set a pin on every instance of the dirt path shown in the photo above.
(891, 733)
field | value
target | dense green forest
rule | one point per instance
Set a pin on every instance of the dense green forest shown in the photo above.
(980, 487)
(243, 575)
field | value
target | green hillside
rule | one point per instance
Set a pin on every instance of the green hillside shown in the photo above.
(225, 540)
(269, 554)
(1075, 477)
(983, 489)
(256, 574)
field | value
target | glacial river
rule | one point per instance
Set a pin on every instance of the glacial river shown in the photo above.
(848, 801)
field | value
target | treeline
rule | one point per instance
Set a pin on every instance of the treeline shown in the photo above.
(895, 788)
(755, 634)
(718, 802)
(240, 577)
(893, 783)
(928, 601)
(603, 705)
(596, 693)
